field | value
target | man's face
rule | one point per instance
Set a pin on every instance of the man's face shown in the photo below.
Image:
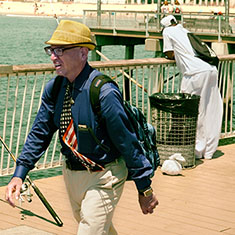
(68, 60)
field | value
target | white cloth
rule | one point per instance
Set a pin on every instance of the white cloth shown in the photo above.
(94, 196)
(210, 115)
(166, 21)
(172, 166)
(175, 39)
(199, 78)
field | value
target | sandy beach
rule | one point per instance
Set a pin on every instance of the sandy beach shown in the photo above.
(72, 9)
(62, 9)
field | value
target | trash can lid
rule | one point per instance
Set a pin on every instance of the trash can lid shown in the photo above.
(180, 103)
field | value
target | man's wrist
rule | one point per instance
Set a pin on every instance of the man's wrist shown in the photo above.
(21, 172)
(146, 192)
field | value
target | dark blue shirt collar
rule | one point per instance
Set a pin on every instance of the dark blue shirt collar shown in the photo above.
(82, 77)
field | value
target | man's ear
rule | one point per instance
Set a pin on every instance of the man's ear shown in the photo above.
(170, 55)
(84, 52)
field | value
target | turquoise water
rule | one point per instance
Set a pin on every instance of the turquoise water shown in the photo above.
(22, 41)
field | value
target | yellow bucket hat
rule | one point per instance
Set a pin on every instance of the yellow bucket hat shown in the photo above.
(71, 32)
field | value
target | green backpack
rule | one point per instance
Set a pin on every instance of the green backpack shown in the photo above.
(145, 132)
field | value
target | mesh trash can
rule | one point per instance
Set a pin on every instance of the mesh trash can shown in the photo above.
(174, 116)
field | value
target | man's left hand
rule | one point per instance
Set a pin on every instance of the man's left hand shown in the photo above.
(148, 204)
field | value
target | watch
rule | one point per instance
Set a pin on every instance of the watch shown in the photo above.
(147, 192)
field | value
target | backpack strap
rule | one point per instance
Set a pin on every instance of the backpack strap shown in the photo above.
(95, 87)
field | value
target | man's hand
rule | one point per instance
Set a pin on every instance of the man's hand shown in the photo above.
(170, 55)
(13, 187)
(148, 204)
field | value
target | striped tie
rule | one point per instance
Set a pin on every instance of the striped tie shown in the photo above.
(68, 135)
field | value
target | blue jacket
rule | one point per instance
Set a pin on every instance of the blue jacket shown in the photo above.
(116, 133)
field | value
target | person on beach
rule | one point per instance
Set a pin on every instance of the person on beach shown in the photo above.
(35, 8)
(166, 8)
(199, 78)
(94, 175)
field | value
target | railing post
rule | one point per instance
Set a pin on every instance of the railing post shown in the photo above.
(84, 17)
(114, 24)
(129, 54)
(99, 13)
(147, 25)
(227, 5)
(136, 23)
(94, 55)
(219, 33)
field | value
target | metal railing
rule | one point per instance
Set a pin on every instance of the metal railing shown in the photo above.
(150, 20)
(21, 88)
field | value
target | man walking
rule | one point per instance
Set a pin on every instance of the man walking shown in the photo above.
(94, 176)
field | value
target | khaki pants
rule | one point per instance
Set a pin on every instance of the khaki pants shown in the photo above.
(94, 196)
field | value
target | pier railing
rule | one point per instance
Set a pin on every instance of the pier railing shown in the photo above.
(21, 89)
(200, 22)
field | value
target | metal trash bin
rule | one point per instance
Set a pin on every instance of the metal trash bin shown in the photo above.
(174, 116)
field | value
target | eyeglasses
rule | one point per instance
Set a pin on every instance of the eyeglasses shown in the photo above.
(57, 51)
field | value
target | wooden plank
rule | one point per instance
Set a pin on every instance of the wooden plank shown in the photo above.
(200, 201)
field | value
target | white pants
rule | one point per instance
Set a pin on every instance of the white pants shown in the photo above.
(94, 196)
(210, 116)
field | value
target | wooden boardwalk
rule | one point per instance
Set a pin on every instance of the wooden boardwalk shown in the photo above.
(201, 201)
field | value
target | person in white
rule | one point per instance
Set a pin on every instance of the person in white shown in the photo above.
(166, 8)
(199, 78)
